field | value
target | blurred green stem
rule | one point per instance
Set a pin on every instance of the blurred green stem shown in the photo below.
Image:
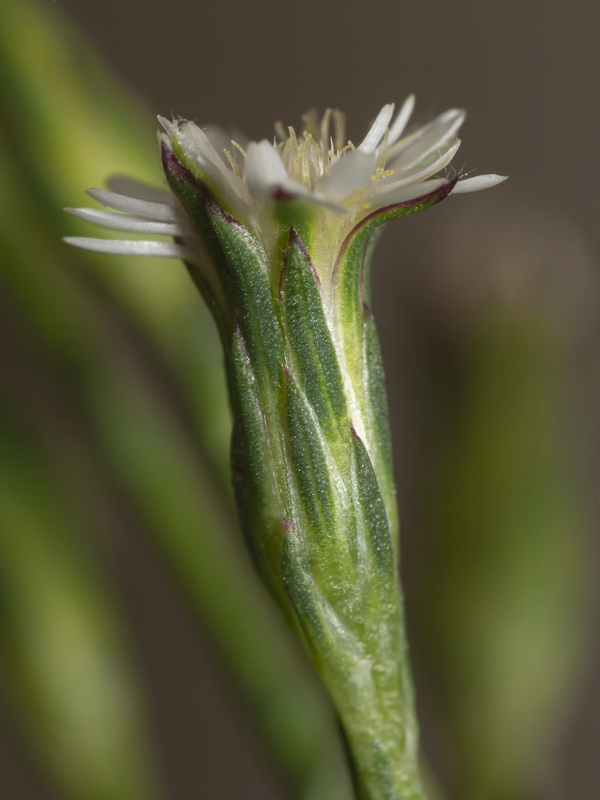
(500, 605)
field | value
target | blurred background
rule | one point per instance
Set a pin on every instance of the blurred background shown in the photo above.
(139, 657)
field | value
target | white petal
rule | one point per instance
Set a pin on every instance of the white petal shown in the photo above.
(265, 171)
(127, 247)
(143, 208)
(124, 222)
(196, 144)
(397, 129)
(348, 174)
(168, 126)
(477, 183)
(122, 184)
(406, 193)
(434, 163)
(370, 142)
(432, 137)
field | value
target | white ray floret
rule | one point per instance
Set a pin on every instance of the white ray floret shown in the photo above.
(433, 136)
(371, 141)
(129, 247)
(325, 171)
(126, 222)
(130, 187)
(404, 194)
(427, 167)
(160, 212)
(401, 121)
(477, 183)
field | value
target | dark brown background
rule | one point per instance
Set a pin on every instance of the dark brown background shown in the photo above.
(527, 71)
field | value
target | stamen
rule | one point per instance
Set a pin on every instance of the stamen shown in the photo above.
(232, 163)
(325, 128)
(238, 147)
(339, 127)
(291, 145)
(310, 122)
(280, 130)
(303, 158)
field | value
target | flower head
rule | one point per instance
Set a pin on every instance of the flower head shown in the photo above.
(278, 236)
(317, 181)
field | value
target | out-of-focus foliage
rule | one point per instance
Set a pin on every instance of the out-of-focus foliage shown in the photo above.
(65, 668)
(502, 607)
